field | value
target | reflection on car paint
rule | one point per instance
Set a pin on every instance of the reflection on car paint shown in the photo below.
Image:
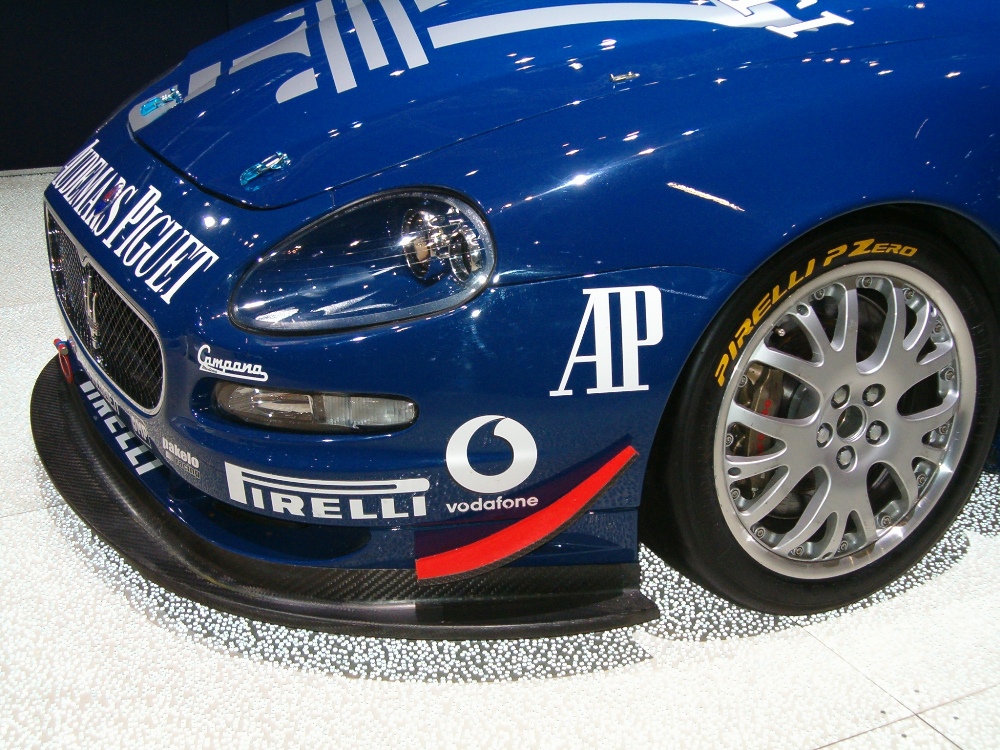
(733, 13)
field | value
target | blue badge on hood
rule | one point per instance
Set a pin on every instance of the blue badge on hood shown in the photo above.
(273, 163)
(174, 95)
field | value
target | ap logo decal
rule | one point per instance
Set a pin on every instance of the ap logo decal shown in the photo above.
(598, 317)
(514, 433)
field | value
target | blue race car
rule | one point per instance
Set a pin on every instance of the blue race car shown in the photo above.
(413, 318)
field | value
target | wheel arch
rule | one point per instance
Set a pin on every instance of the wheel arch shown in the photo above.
(977, 248)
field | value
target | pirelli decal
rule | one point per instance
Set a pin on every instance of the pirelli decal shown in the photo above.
(795, 277)
(327, 500)
(132, 448)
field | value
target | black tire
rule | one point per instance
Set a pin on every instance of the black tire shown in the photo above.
(685, 513)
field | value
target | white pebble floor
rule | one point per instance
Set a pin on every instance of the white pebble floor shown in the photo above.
(93, 655)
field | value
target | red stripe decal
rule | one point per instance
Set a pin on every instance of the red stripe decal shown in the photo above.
(527, 533)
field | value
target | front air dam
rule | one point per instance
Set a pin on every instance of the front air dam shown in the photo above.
(509, 602)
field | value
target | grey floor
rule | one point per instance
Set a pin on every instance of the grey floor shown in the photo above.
(92, 655)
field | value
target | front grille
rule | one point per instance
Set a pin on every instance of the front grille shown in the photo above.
(120, 341)
(69, 275)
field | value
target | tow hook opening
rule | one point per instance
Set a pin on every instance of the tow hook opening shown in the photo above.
(64, 362)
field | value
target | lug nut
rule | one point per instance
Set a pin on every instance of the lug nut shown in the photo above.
(824, 434)
(872, 394)
(734, 493)
(884, 521)
(874, 432)
(840, 396)
(844, 456)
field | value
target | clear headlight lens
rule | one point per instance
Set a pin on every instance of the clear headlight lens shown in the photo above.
(395, 256)
(314, 412)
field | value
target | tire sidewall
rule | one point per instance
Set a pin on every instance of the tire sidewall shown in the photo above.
(707, 545)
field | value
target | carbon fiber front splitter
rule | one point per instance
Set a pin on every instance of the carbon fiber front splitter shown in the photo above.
(509, 602)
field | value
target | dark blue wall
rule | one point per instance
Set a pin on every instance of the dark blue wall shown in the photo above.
(64, 66)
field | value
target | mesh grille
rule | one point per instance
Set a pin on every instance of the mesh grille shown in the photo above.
(69, 275)
(114, 335)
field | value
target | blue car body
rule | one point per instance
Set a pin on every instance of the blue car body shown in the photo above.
(625, 156)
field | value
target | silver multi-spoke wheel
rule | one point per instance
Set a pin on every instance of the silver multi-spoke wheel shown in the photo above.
(832, 420)
(844, 420)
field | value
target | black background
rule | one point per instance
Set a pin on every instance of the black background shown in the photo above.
(68, 65)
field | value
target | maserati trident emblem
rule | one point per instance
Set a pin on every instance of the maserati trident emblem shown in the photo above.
(90, 305)
(108, 198)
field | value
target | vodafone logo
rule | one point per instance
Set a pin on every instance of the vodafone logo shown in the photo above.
(514, 433)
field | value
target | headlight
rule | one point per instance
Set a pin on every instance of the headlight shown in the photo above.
(395, 256)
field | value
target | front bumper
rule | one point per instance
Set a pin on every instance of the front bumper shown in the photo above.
(502, 603)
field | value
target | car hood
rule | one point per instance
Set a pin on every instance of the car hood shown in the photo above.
(321, 94)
